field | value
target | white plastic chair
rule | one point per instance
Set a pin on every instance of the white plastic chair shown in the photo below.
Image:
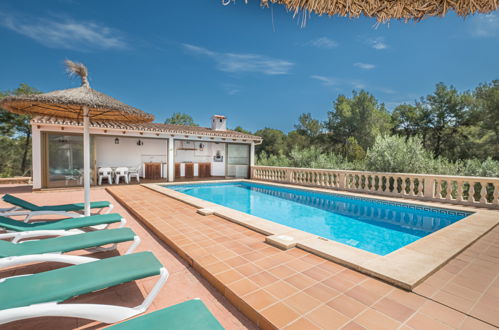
(105, 173)
(134, 172)
(121, 172)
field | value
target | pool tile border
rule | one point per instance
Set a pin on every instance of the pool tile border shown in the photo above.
(405, 267)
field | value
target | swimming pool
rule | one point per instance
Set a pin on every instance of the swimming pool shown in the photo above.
(373, 225)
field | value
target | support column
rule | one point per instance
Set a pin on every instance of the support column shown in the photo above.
(36, 154)
(86, 159)
(252, 154)
(171, 159)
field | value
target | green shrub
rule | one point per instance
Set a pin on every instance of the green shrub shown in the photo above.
(388, 154)
(396, 154)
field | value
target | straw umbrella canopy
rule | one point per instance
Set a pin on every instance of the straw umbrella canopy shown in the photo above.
(82, 104)
(384, 10)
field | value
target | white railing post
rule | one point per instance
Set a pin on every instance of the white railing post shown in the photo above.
(429, 188)
(342, 180)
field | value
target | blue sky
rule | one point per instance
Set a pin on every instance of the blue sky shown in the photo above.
(258, 66)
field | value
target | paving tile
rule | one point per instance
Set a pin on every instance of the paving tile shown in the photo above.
(408, 299)
(393, 309)
(321, 292)
(281, 289)
(298, 265)
(442, 313)
(487, 309)
(217, 267)
(302, 302)
(280, 314)
(301, 324)
(459, 303)
(471, 323)
(364, 295)
(347, 305)
(263, 278)
(243, 287)
(281, 272)
(352, 276)
(353, 326)
(248, 269)
(229, 276)
(236, 261)
(327, 318)
(317, 273)
(421, 321)
(300, 281)
(259, 299)
(372, 319)
(339, 283)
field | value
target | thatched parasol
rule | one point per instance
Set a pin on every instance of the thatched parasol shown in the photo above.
(384, 10)
(83, 104)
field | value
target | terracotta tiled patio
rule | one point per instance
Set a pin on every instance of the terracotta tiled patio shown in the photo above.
(282, 289)
(183, 284)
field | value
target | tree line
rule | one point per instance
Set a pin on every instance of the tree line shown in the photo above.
(445, 132)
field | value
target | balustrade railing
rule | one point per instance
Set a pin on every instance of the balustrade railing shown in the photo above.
(463, 190)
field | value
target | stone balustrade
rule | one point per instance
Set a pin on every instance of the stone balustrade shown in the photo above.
(462, 190)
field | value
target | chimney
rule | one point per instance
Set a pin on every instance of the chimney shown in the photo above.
(218, 123)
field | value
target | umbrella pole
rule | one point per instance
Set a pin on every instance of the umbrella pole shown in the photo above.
(86, 159)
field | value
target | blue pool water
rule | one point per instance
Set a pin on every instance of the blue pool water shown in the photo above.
(373, 225)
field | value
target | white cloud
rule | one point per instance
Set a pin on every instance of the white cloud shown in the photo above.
(231, 89)
(377, 43)
(485, 25)
(326, 81)
(330, 81)
(323, 42)
(199, 50)
(358, 84)
(64, 32)
(364, 66)
(236, 62)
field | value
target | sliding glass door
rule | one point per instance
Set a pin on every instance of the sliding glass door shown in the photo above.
(64, 160)
(238, 160)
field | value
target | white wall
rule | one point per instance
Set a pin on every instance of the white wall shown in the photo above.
(36, 156)
(127, 152)
(198, 156)
(218, 168)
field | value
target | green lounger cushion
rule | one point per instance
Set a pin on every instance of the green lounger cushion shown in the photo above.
(65, 207)
(189, 315)
(67, 282)
(66, 243)
(64, 224)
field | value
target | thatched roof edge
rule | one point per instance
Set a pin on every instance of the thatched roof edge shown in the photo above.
(384, 10)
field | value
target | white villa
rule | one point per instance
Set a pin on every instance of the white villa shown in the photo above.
(159, 152)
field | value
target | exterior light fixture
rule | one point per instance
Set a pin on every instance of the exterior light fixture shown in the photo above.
(140, 143)
(116, 141)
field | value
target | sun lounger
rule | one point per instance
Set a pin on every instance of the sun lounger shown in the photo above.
(23, 207)
(56, 227)
(188, 315)
(38, 295)
(34, 251)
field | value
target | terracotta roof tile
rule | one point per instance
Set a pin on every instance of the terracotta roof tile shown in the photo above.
(151, 127)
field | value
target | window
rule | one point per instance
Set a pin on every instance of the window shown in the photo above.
(238, 154)
(64, 160)
(238, 160)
